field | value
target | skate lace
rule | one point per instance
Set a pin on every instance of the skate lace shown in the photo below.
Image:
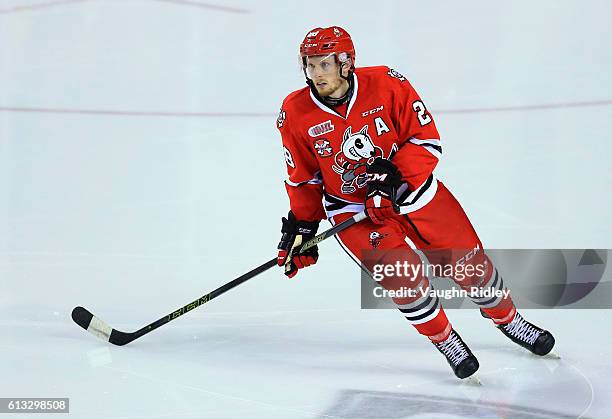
(523, 330)
(453, 349)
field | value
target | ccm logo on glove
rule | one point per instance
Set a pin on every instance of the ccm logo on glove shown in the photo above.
(383, 181)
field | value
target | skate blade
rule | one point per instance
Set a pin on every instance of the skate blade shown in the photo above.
(552, 355)
(472, 380)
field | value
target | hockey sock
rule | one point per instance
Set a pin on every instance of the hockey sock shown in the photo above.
(502, 314)
(424, 311)
(437, 329)
(493, 298)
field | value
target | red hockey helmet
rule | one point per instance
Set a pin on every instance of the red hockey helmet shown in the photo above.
(326, 41)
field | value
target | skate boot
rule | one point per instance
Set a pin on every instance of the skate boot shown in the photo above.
(458, 355)
(528, 335)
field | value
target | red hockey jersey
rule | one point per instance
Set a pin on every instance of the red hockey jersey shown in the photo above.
(327, 153)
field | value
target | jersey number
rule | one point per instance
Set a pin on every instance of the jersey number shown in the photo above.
(421, 111)
(288, 157)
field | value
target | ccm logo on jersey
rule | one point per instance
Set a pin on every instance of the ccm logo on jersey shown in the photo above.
(372, 111)
(321, 129)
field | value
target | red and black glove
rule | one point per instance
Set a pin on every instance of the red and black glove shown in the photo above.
(295, 233)
(383, 181)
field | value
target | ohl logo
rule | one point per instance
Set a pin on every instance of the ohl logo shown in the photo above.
(321, 128)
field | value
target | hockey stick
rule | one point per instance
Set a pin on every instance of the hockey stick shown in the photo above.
(97, 327)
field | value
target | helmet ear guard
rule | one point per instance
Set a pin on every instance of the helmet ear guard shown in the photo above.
(343, 59)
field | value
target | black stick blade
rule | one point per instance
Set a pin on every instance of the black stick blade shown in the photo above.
(82, 317)
(120, 338)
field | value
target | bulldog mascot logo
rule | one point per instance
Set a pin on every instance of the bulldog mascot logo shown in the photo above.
(357, 151)
(376, 238)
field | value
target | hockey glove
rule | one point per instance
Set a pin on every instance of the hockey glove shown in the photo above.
(383, 181)
(294, 233)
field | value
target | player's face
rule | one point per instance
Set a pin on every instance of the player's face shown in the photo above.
(324, 71)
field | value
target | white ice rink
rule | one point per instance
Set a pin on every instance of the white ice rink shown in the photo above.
(140, 167)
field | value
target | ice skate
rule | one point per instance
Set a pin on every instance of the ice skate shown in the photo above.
(528, 335)
(458, 355)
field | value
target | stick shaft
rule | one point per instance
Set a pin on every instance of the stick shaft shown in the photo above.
(205, 298)
(117, 337)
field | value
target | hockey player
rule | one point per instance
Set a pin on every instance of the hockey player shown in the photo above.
(358, 138)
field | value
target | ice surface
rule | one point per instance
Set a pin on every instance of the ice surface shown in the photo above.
(110, 202)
